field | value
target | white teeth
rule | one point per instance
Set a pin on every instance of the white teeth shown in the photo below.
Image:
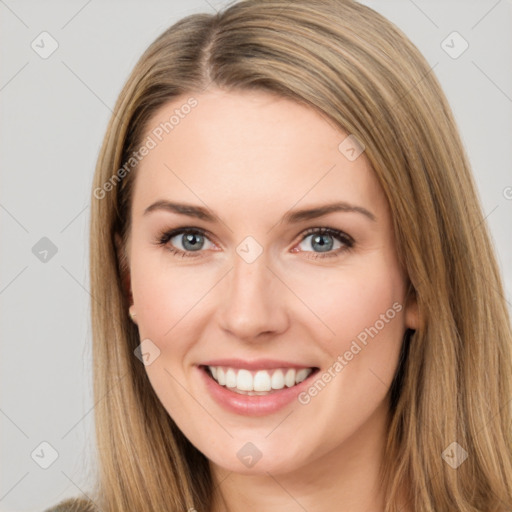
(221, 376)
(230, 378)
(301, 375)
(260, 381)
(289, 378)
(243, 380)
(277, 380)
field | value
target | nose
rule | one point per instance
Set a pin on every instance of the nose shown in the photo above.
(254, 306)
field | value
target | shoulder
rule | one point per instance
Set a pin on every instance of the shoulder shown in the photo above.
(73, 505)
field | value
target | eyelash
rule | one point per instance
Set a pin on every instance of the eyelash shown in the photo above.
(346, 240)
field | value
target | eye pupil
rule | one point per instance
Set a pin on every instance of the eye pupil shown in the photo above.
(324, 246)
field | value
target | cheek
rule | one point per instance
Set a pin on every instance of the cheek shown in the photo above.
(362, 318)
(365, 311)
(168, 302)
(166, 296)
(352, 299)
(173, 306)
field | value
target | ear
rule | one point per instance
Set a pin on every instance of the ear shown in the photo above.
(412, 316)
(124, 267)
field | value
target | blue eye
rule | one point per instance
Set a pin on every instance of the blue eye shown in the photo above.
(324, 240)
(189, 242)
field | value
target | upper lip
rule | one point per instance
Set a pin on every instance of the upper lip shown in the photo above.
(255, 364)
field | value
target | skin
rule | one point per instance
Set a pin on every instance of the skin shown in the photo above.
(250, 157)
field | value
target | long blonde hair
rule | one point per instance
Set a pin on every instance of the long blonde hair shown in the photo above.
(363, 74)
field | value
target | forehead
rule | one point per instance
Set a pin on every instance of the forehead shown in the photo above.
(249, 149)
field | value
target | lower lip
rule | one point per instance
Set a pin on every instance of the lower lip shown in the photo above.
(253, 405)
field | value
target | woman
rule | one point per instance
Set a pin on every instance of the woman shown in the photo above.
(296, 303)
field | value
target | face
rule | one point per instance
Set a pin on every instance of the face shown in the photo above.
(265, 315)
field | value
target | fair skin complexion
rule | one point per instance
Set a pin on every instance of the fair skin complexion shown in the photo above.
(249, 158)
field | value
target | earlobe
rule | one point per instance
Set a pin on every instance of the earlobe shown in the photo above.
(131, 312)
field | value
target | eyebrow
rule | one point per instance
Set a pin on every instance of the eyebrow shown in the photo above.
(291, 217)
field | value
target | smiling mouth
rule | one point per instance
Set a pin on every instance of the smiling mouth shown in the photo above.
(258, 382)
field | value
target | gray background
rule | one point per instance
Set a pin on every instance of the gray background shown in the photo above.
(54, 113)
